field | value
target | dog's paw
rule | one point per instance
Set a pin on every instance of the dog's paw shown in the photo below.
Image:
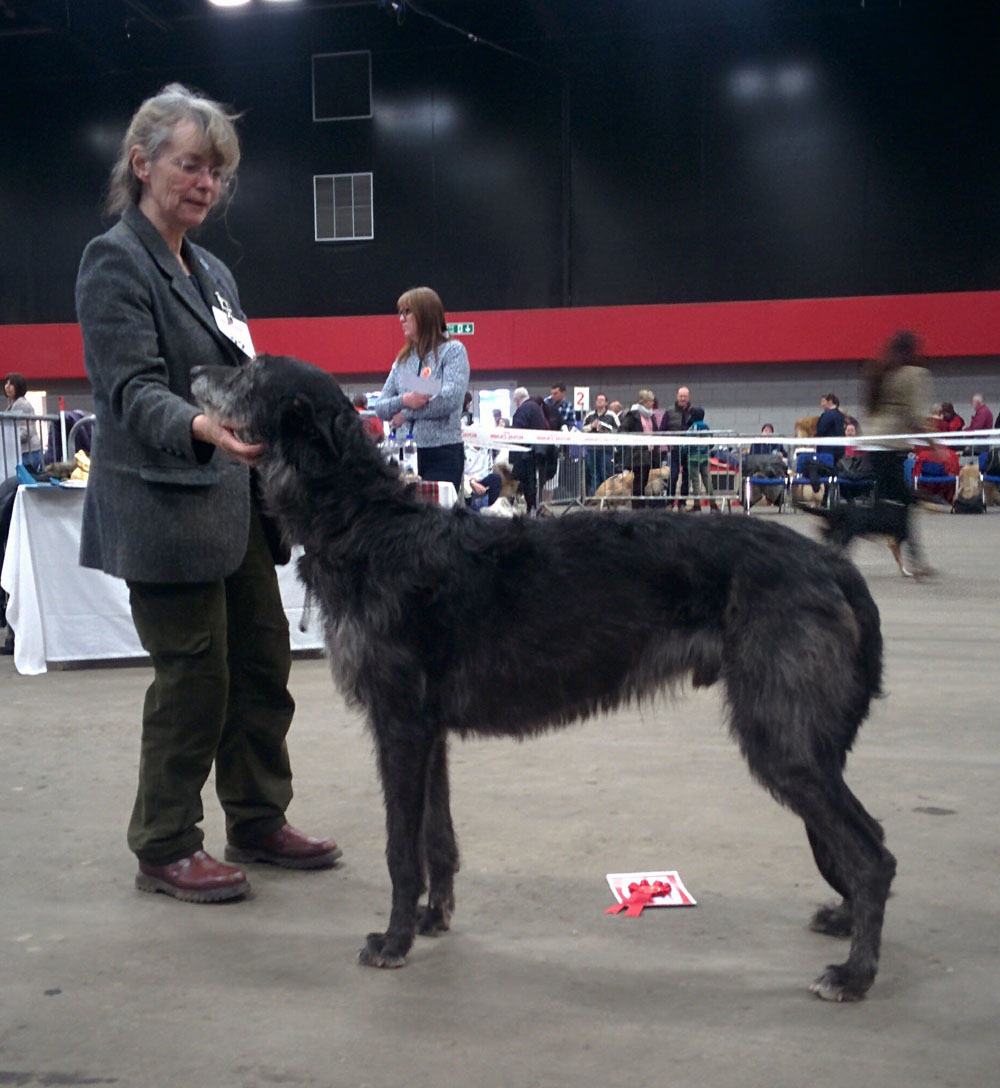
(834, 921)
(378, 953)
(433, 920)
(838, 984)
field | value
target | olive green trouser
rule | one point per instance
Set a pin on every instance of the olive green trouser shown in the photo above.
(221, 661)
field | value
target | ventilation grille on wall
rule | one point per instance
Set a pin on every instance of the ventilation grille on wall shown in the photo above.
(342, 86)
(343, 207)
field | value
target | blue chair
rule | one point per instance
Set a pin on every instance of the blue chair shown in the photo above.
(779, 483)
(986, 476)
(798, 477)
(933, 473)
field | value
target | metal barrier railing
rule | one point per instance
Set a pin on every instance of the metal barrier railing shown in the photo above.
(705, 468)
(37, 440)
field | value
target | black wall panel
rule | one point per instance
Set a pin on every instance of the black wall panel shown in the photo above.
(825, 150)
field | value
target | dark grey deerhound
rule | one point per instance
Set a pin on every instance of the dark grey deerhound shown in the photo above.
(436, 622)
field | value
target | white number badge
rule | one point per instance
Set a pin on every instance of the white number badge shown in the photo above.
(231, 327)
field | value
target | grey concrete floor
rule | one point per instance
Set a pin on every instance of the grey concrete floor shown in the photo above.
(535, 985)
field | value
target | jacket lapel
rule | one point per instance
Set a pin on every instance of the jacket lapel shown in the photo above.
(180, 283)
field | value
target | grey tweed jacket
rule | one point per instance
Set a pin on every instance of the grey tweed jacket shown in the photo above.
(160, 506)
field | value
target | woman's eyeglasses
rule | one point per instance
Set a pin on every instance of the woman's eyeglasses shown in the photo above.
(192, 170)
(405, 311)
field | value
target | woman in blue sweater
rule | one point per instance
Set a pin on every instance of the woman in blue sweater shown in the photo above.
(434, 419)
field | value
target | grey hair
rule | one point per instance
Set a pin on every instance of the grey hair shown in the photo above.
(520, 393)
(152, 127)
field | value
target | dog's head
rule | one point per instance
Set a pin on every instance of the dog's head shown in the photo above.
(509, 487)
(295, 410)
(806, 427)
(272, 396)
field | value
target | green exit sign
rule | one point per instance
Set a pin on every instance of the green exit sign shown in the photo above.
(462, 328)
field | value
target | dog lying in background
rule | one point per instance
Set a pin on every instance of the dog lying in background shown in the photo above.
(504, 507)
(435, 625)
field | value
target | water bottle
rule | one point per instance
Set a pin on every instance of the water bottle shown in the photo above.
(409, 456)
(390, 448)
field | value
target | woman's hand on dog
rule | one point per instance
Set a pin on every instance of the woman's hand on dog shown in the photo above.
(218, 434)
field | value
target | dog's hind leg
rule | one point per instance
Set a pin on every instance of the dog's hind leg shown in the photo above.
(403, 755)
(847, 844)
(867, 868)
(440, 850)
(835, 920)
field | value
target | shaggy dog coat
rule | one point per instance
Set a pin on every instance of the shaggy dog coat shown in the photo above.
(439, 622)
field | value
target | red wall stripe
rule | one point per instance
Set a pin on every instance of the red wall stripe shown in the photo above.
(795, 330)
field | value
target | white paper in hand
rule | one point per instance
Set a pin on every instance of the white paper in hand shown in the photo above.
(416, 383)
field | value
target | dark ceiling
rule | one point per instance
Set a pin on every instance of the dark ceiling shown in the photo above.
(503, 21)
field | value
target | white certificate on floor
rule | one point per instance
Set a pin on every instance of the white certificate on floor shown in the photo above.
(625, 885)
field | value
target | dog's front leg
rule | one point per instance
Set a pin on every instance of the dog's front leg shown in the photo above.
(439, 846)
(403, 755)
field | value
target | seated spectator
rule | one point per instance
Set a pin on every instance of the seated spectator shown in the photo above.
(982, 417)
(480, 484)
(950, 419)
(855, 474)
(765, 448)
(982, 420)
(932, 462)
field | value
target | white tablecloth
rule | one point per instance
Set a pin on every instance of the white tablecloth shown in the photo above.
(60, 611)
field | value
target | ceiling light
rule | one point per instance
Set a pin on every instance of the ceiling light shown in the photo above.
(228, 3)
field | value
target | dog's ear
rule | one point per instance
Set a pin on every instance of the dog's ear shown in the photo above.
(302, 432)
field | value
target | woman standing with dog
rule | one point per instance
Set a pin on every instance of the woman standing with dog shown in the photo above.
(170, 509)
(429, 356)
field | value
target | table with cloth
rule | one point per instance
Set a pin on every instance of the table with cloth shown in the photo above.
(61, 612)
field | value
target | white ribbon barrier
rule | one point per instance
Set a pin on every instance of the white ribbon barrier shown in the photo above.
(507, 437)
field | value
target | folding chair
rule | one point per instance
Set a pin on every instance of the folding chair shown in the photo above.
(778, 482)
(799, 478)
(986, 477)
(930, 472)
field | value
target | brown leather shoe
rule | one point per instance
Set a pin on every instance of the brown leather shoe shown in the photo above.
(288, 848)
(195, 879)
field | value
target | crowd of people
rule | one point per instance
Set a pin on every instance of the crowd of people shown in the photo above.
(685, 471)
